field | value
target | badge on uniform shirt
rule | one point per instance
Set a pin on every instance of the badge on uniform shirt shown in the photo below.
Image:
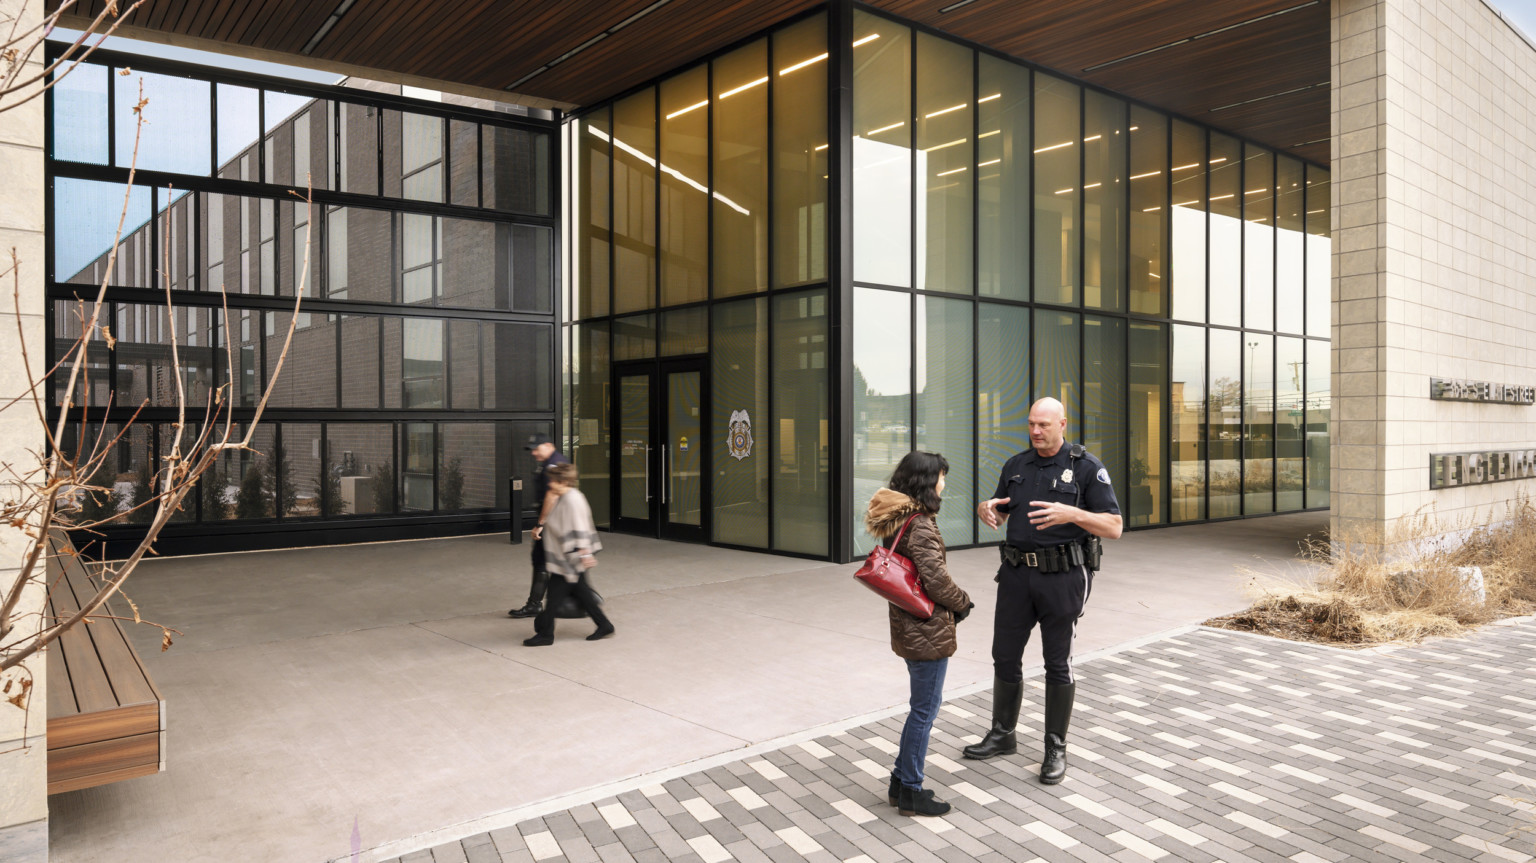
(1066, 475)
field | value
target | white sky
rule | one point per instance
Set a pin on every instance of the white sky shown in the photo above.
(1522, 12)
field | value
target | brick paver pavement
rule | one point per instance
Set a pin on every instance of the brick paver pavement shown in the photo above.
(1203, 746)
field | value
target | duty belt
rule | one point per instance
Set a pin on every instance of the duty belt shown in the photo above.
(1055, 558)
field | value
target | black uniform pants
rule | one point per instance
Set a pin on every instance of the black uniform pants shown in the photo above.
(1025, 597)
(559, 589)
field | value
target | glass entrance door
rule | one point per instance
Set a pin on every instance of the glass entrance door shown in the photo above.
(662, 457)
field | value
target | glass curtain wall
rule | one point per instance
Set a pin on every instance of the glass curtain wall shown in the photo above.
(394, 396)
(1162, 260)
(698, 227)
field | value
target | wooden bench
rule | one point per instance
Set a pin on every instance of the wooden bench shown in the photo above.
(106, 720)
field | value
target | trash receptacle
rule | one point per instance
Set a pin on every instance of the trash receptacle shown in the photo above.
(515, 501)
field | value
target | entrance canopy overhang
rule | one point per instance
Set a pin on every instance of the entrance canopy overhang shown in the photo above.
(1259, 69)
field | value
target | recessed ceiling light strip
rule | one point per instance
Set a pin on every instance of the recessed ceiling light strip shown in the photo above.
(1178, 42)
(1271, 96)
(953, 6)
(314, 41)
(589, 43)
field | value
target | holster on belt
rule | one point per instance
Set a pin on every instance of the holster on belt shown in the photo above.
(1055, 558)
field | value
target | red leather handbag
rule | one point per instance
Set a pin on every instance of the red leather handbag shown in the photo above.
(894, 577)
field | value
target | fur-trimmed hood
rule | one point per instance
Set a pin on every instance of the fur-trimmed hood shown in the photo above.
(887, 511)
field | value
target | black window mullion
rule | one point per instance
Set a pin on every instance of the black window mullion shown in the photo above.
(976, 483)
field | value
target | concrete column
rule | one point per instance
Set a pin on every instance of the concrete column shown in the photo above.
(1434, 208)
(23, 746)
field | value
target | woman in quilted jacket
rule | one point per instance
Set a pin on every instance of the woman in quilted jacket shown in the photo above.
(914, 494)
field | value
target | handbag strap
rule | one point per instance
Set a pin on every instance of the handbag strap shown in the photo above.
(897, 541)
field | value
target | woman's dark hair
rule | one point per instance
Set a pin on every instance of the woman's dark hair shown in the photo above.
(916, 476)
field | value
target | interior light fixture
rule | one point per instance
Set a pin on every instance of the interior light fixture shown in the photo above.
(1147, 174)
(1092, 138)
(953, 171)
(1187, 203)
(1093, 185)
(1054, 147)
(897, 125)
(1255, 191)
(1222, 197)
(1204, 35)
(1271, 96)
(989, 134)
(866, 40)
(335, 16)
(1063, 191)
(945, 144)
(802, 64)
(1217, 161)
(589, 43)
(1151, 209)
(989, 98)
(748, 86)
(1315, 212)
(694, 107)
(944, 111)
(1184, 167)
(823, 147)
(669, 170)
(984, 164)
(953, 6)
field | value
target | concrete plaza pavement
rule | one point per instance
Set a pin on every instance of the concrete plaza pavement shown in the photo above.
(377, 697)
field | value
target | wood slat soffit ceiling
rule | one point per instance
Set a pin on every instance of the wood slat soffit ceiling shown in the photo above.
(1258, 68)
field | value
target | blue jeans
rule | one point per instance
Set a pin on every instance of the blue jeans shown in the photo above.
(927, 678)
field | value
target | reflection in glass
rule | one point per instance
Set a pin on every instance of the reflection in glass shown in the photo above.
(467, 478)
(685, 187)
(1002, 390)
(945, 423)
(1188, 243)
(1290, 215)
(302, 472)
(636, 485)
(466, 353)
(146, 374)
(532, 267)
(176, 218)
(80, 114)
(294, 218)
(800, 444)
(239, 130)
(1319, 409)
(418, 461)
(93, 386)
(356, 256)
(1319, 253)
(589, 192)
(1258, 238)
(634, 338)
(882, 390)
(800, 153)
(360, 361)
(421, 155)
(516, 172)
(422, 363)
(590, 415)
(1226, 230)
(684, 493)
(359, 148)
(1290, 427)
(473, 270)
(85, 218)
(360, 466)
(261, 488)
(177, 123)
(1258, 423)
(1058, 368)
(1104, 396)
(882, 153)
(1002, 181)
(634, 202)
(1058, 203)
(1148, 272)
(743, 444)
(520, 367)
(1226, 423)
(308, 378)
(944, 165)
(1104, 202)
(740, 171)
(1143, 498)
(685, 331)
(421, 264)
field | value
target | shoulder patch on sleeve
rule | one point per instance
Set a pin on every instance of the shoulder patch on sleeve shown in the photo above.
(1104, 476)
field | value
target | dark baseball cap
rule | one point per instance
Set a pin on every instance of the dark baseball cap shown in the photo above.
(536, 440)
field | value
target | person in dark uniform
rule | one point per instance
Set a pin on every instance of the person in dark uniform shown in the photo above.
(1045, 577)
(544, 455)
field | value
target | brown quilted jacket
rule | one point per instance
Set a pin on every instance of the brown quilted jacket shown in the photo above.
(912, 638)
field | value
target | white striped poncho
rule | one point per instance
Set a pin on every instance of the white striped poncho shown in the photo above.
(569, 532)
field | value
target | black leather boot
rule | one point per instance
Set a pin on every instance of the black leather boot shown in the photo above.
(1058, 715)
(895, 791)
(919, 801)
(535, 602)
(1006, 698)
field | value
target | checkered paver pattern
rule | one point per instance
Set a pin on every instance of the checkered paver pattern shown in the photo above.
(1206, 746)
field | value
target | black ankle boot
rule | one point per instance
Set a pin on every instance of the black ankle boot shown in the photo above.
(919, 801)
(895, 791)
(535, 602)
(1058, 715)
(1000, 740)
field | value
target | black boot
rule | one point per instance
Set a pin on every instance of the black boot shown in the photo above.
(1006, 698)
(919, 801)
(535, 597)
(1058, 715)
(895, 791)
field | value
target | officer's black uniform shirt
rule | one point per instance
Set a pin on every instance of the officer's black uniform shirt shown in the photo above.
(541, 479)
(1027, 476)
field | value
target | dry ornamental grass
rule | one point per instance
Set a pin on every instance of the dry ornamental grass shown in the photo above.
(1402, 587)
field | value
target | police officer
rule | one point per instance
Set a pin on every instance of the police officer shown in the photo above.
(544, 456)
(1046, 574)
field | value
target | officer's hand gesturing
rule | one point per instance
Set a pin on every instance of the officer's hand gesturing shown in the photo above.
(987, 511)
(1049, 514)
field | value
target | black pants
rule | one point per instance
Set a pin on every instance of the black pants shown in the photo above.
(1025, 597)
(559, 588)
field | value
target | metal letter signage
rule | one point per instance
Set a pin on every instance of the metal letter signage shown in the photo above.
(1446, 389)
(1450, 469)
